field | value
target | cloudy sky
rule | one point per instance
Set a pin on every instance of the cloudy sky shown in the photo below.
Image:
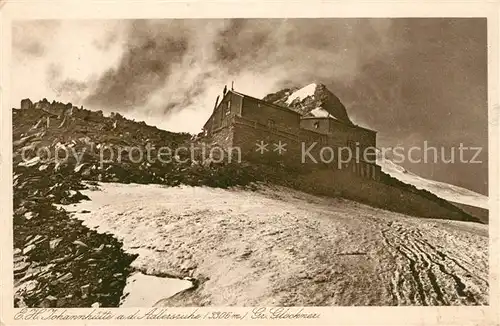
(413, 80)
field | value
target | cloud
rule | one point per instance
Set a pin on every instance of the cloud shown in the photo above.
(175, 68)
(157, 69)
(27, 37)
(69, 53)
(73, 88)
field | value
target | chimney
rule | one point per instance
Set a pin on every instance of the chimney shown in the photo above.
(216, 101)
(232, 85)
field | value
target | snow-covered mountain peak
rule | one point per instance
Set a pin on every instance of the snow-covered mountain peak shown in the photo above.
(302, 93)
(312, 100)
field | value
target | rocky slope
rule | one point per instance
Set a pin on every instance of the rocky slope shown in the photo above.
(57, 261)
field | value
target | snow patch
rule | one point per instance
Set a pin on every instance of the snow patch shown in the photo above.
(208, 227)
(145, 290)
(321, 113)
(443, 190)
(302, 93)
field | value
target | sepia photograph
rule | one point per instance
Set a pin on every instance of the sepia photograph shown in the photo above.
(249, 162)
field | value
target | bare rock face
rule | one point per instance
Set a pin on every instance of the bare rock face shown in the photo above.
(314, 100)
(26, 104)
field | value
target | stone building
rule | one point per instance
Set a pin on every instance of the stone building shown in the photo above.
(311, 139)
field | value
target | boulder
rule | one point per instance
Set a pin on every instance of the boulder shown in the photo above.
(28, 286)
(66, 277)
(20, 267)
(85, 289)
(26, 104)
(53, 243)
(49, 302)
(28, 249)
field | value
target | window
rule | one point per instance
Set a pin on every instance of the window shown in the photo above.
(228, 108)
(316, 125)
(271, 124)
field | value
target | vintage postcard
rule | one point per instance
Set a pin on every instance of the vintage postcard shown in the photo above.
(249, 163)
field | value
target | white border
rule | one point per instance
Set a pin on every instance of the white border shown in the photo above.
(461, 315)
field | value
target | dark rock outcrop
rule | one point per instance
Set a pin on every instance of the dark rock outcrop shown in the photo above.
(26, 104)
